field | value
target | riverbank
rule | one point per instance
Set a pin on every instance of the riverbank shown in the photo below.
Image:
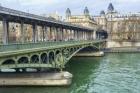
(122, 50)
(36, 79)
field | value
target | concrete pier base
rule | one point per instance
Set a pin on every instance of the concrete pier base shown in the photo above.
(90, 54)
(36, 79)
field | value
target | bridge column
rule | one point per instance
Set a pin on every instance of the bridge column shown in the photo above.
(44, 33)
(88, 35)
(50, 34)
(67, 34)
(5, 31)
(75, 35)
(35, 34)
(94, 35)
(22, 32)
(59, 34)
(70, 34)
(84, 35)
(62, 33)
(55, 34)
(91, 35)
(81, 37)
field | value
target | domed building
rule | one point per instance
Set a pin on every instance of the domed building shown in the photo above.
(119, 26)
(68, 13)
(84, 20)
(86, 12)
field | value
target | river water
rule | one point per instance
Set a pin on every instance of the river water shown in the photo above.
(113, 73)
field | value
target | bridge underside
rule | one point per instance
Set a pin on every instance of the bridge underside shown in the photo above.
(50, 57)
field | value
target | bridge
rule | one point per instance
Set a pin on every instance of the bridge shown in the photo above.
(42, 55)
(51, 47)
(65, 40)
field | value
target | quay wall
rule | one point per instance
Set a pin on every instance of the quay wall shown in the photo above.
(122, 46)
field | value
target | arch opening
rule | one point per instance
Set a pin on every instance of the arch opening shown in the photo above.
(44, 58)
(71, 50)
(35, 59)
(57, 52)
(8, 62)
(51, 57)
(23, 60)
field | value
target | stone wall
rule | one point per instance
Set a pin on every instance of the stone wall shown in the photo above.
(117, 44)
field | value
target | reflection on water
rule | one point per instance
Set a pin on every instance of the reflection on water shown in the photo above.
(114, 73)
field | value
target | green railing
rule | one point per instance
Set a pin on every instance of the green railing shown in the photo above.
(14, 47)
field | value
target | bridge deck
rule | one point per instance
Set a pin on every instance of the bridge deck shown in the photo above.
(28, 47)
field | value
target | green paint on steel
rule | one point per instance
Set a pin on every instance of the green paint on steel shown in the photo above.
(66, 50)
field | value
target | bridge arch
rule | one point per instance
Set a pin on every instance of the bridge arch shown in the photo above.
(9, 62)
(51, 57)
(23, 60)
(71, 50)
(34, 58)
(57, 52)
(44, 58)
(79, 49)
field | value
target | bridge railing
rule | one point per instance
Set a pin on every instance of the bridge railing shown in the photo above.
(13, 47)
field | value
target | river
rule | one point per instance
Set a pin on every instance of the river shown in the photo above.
(113, 73)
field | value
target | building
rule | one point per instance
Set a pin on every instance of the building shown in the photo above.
(122, 27)
(85, 20)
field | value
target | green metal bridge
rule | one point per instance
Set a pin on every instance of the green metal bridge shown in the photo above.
(43, 54)
(52, 46)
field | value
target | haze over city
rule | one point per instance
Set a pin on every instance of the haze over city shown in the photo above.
(77, 6)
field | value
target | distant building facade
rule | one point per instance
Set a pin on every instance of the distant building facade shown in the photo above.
(85, 20)
(119, 26)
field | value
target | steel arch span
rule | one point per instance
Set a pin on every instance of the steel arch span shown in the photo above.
(55, 56)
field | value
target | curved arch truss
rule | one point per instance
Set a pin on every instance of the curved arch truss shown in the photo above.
(53, 58)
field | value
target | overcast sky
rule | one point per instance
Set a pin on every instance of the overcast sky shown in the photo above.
(76, 6)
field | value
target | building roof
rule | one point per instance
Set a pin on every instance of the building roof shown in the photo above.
(68, 10)
(86, 11)
(110, 7)
(102, 12)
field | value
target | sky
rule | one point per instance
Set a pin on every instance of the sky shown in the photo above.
(76, 6)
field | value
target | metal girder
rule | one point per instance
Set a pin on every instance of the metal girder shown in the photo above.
(55, 55)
